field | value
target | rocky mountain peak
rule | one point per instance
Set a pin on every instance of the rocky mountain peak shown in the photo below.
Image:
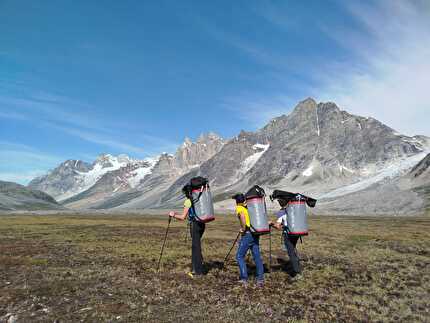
(305, 106)
(74, 164)
(192, 154)
(208, 137)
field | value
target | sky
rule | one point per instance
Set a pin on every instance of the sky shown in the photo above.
(80, 78)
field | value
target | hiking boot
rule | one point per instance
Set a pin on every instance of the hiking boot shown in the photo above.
(243, 283)
(297, 277)
(260, 283)
(190, 274)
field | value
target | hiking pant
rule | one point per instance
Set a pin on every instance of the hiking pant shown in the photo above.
(290, 242)
(196, 230)
(249, 241)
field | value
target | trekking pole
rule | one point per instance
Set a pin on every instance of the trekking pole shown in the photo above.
(164, 243)
(187, 232)
(270, 250)
(228, 254)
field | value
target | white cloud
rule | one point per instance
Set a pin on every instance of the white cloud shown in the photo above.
(386, 74)
(391, 83)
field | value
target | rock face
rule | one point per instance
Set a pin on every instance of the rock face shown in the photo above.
(191, 155)
(317, 149)
(62, 179)
(317, 142)
(18, 197)
(422, 169)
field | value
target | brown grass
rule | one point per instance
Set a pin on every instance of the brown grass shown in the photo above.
(102, 268)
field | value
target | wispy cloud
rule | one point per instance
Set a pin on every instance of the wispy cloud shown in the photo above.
(77, 119)
(21, 163)
(257, 110)
(101, 140)
(391, 81)
(385, 74)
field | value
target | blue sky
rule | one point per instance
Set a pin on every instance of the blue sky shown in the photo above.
(79, 78)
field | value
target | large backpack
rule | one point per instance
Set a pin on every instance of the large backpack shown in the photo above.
(197, 190)
(297, 219)
(256, 204)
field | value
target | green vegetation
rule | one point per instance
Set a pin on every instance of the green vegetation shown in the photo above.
(102, 268)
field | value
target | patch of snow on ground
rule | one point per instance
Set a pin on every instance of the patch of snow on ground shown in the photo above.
(390, 170)
(249, 162)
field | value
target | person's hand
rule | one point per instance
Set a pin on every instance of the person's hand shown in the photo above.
(241, 231)
(270, 224)
(172, 214)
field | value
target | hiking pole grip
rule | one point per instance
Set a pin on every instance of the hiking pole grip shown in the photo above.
(164, 243)
(228, 254)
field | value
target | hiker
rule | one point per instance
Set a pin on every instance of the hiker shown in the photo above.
(199, 210)
(293, 221)
(248, 241)
(290, 241)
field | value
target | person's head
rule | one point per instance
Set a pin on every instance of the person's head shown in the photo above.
(282, 203)
(239, 198)
(187, 191)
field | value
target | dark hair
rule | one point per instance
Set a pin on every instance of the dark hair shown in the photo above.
(187, 191)
(282, 203)
(239, 197)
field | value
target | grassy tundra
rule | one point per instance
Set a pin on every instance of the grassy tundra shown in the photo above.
(102, 268)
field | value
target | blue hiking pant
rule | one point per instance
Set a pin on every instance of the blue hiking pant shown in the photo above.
(249, 241)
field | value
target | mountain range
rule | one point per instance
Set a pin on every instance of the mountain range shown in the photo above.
(18, 197)
(352, 164)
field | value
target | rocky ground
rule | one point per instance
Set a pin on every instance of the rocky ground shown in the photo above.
(98, 267)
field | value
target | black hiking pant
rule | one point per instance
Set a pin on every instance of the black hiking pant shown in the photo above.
(196, 230)
(290, 242)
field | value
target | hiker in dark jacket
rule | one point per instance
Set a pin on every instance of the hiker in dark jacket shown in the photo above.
(290, 241)
(197, 229)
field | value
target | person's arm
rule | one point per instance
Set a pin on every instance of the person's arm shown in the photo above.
(182, 216)
(276, 225)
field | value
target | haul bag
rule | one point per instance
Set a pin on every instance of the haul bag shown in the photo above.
(256, 204)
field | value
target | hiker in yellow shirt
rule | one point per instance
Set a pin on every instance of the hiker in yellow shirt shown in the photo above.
(247, 241)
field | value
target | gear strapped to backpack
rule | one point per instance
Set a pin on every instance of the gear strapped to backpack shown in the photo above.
(297, 220)
(197, 190)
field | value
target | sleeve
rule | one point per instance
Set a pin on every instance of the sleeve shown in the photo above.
(187, 203)
(282, 217)
(280, 214)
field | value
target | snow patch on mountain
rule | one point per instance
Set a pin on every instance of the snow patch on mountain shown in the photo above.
(140, 173)
(387, 171)
(249, 162)
(102, 165)
(308, 171)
